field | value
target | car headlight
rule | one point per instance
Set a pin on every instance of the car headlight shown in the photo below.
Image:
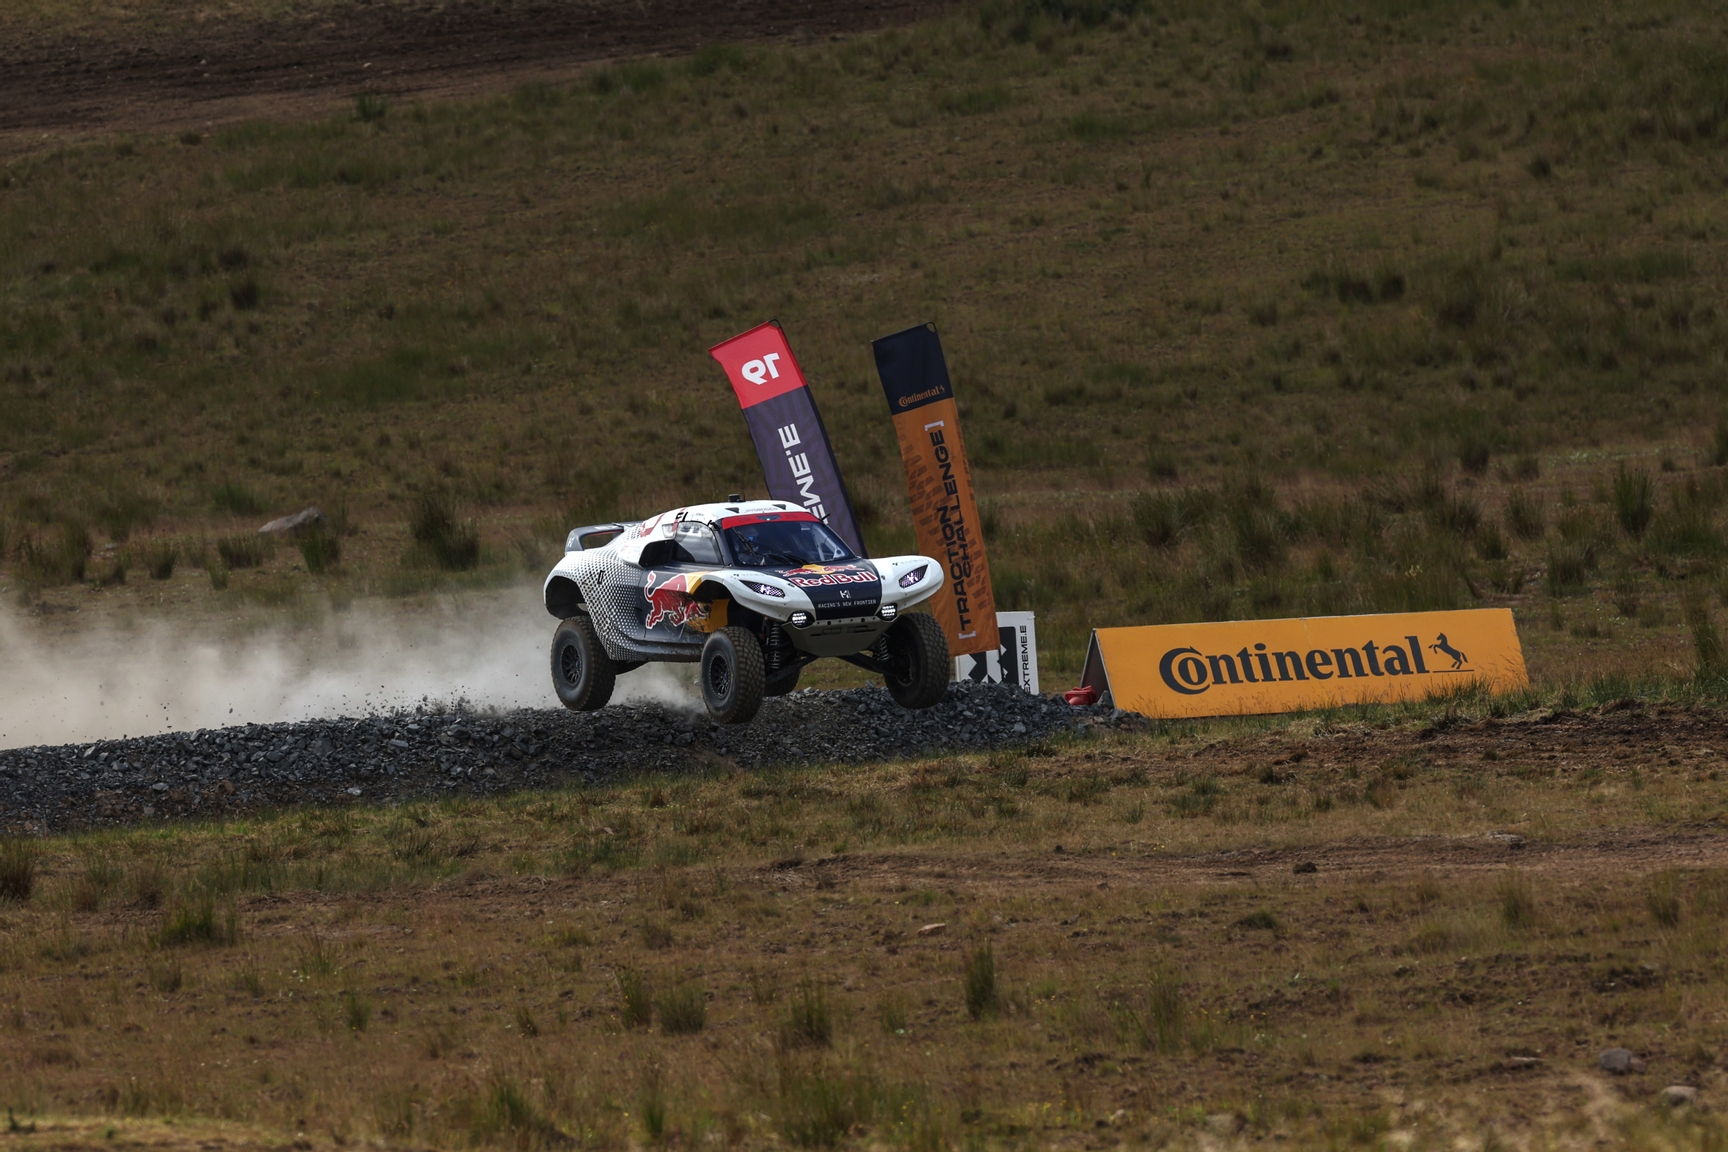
(888, 612)
(765, 589)
(800, 619)
(914, 576)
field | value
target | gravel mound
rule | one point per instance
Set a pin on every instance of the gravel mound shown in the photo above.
(426, 753)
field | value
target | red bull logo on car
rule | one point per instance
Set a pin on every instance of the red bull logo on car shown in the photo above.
(821, 576)
(671, 602)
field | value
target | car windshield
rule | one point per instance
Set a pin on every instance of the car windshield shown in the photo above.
(785, 544)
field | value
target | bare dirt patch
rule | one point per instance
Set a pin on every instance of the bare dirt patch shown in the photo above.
(193, 73)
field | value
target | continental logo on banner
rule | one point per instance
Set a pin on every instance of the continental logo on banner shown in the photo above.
(939, 482)
(1256, 666)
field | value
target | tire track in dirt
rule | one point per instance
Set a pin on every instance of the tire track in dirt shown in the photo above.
(219, 71)
(1624, 852)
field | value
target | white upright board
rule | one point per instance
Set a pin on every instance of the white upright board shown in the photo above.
(1015, 660)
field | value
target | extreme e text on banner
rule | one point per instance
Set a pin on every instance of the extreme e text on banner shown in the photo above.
(1255, 666)
(792, 444)
(939, 482)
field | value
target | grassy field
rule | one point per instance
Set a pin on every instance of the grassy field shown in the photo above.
(1298, 308)
(1400, 928)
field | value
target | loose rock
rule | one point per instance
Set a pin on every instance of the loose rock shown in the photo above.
(432, 752)
(1619, 1061)
(1679, 1095)
(302, 521)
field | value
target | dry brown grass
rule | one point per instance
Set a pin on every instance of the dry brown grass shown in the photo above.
(1395, 264)
(1158, 969)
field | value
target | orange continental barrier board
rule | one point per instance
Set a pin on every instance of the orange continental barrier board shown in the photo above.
(1253, 666)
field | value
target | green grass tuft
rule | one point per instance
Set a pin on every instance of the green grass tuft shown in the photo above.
(683, 1009)
(17, 869)
(450, 543)
(979, 982)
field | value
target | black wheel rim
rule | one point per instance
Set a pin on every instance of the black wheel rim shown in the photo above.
(570, 664)
(719, 677)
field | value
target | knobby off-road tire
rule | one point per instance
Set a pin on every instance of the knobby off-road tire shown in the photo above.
(732, 675)
(917, 659)
(582, 673)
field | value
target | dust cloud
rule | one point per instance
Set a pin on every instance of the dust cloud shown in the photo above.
(485, 651)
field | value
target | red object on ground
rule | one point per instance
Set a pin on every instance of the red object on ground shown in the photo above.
(1081, 696)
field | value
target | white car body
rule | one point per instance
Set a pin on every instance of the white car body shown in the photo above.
(657, 588)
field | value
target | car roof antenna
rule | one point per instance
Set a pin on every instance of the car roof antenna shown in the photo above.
(734, 497)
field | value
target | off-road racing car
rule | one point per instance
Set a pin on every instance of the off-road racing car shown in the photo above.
(753, 590)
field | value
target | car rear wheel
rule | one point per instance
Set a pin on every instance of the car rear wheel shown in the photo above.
(731, 673)
(582, 673)
(915, 652)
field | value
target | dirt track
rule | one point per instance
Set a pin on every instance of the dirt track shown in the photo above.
(226, 70)
(1634, 853)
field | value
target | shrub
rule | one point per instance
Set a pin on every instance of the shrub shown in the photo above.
(358, 1010)
(241, 551)
(236, 500)
(1568, 567)
(809, 1022)
(122, 510)
(198, 921)
(61, 558)
(980, 982)
(1634, 501)
(653, 1106)
(1707, 643)
(684, 1009)
(17, 869)
(370, 106)
(1524, 515)
(819, 1108)
(160, 560)
(1491, 543)
(1162, 518)
(1457, 513)
(635, 999)
(321, 550)
(1662, 897)
(1160, 1022)
(452, 544)
(1517, 902)
(506, 1116)
(1626, 598)
(148, 882)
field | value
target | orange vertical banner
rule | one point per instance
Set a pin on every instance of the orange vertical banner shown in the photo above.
(939, 482)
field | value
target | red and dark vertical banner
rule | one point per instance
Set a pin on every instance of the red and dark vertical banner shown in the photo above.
(797, 459)
(939, 481)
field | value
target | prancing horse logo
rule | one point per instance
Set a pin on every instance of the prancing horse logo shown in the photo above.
(1458, 658)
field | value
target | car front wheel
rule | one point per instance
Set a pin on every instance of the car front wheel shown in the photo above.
(916, 654)
(582, 673)
(732, 675)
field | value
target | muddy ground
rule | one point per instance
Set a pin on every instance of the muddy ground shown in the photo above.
(181, 74)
